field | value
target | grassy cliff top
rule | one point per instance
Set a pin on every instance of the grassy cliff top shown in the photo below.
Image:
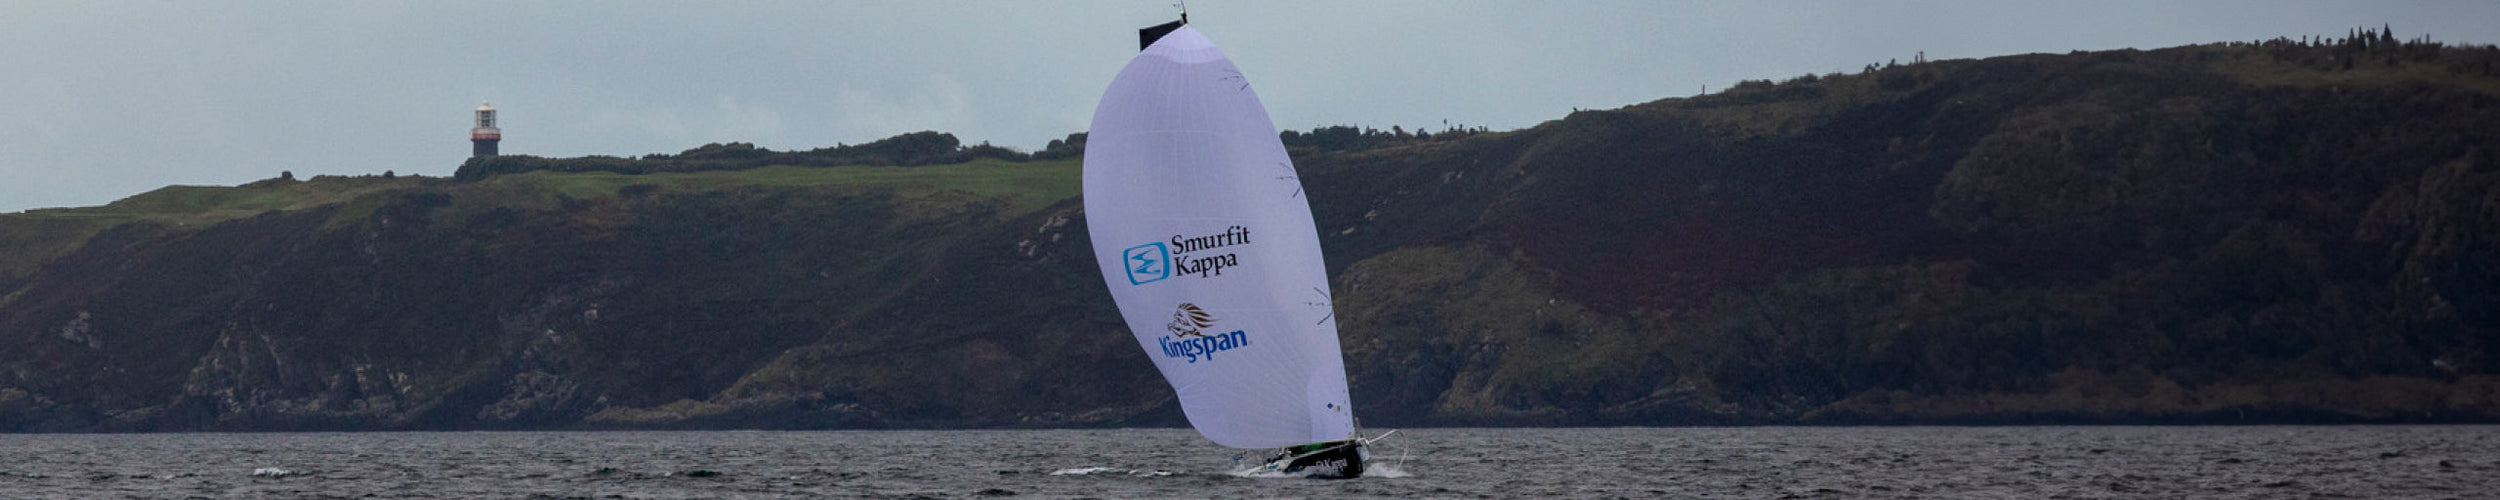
(30, 238)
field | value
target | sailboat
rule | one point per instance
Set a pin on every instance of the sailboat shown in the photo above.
(1206, 241)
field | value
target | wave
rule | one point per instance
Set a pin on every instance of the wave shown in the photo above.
(1087, 471)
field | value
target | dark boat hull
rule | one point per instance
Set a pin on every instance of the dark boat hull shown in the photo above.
(1327, 460)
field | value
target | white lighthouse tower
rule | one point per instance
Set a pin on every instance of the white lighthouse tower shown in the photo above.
(482, 140)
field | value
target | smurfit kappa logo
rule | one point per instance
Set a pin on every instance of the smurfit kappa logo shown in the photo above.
(1186, 254)
(1147, 263)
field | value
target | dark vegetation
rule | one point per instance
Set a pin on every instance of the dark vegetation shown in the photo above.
(2271, 232)
(917, 148)
(913, 149)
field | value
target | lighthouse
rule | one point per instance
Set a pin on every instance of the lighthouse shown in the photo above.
(482, 139)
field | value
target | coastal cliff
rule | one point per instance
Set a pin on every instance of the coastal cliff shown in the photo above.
(2264, 232)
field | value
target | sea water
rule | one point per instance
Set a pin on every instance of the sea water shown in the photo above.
(1744, 462)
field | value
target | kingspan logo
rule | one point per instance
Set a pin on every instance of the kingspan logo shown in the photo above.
(1189, 255)
(1190, 321)
(1190, 339)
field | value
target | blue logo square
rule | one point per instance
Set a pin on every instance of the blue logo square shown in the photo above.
(1147, 263)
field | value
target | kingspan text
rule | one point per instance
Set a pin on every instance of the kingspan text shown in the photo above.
(1204, 347)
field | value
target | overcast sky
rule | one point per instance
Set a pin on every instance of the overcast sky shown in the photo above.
(100, 100)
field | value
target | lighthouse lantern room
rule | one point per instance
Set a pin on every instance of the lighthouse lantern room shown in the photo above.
(482, 140)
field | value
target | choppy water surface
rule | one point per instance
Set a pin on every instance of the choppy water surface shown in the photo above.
(1761, 462)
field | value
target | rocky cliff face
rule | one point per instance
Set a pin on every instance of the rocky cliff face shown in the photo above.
(440, 309)
(2199, 234)
(2273, 233)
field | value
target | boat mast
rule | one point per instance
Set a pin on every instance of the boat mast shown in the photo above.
(1147, 36)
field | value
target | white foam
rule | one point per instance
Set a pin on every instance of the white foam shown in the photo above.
(1264, 473)
(1384, 469)
(1083, 471)
(274, 472)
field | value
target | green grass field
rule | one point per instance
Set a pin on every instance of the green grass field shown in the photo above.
(1025, 186)
(30, 238)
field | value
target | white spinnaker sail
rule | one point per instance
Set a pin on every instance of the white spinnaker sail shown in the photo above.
(1207, 243)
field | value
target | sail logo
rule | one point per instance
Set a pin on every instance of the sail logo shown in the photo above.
(1190, 321)
(1186, 254)
(1190, 338)
(1147, 263)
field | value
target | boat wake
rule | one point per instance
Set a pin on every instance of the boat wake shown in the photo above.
(1264, 473)
(1390, 470)
(1378, 469)
(1089, 471)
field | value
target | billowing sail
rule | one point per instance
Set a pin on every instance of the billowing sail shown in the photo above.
(1207, 243)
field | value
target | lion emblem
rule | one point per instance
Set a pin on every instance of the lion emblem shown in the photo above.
(1189, 320)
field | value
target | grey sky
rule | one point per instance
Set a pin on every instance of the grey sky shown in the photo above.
(102, 100)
